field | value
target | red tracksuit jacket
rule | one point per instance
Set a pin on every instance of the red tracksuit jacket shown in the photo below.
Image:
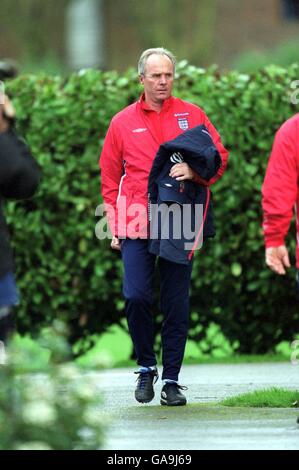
(132, 141)
(280, 193)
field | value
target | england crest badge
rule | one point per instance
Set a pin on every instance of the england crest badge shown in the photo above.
(183, 124)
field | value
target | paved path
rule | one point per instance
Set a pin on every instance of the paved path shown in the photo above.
(138, 427)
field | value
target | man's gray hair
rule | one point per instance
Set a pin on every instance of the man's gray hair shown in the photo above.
(148, 52)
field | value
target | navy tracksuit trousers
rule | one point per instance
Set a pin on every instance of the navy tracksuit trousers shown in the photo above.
(139, 267)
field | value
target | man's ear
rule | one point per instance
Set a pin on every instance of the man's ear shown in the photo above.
(141, 79)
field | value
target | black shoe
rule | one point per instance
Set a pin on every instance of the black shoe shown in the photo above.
(171, 395)
(144, 392)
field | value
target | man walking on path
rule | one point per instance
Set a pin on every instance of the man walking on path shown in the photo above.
(131, 144)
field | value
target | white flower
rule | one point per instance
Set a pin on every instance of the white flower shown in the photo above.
(69, 372)
(40, 390)
(85, 391)
(39, 413)
(93, 417)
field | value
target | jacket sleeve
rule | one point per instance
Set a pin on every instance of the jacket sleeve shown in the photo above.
(111, 167)
(20, 174)
(222, 152)
(280, 187)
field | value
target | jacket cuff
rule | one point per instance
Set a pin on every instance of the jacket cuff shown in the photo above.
(271, 242)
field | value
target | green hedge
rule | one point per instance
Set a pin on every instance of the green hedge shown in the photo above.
(65, 272)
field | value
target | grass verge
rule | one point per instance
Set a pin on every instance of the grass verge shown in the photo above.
(265, 398)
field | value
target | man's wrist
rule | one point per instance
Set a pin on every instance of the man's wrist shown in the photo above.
(274, 243)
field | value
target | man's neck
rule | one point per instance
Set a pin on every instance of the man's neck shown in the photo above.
(154, 105)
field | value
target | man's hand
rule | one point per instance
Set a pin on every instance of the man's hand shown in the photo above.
(181, 171)
(115, 244)
(277, 259)
(6, 112)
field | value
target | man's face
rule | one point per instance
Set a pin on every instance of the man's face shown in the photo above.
(157, 78)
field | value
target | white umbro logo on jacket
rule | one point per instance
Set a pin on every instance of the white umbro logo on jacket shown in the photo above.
(177, 157)
(139, 129)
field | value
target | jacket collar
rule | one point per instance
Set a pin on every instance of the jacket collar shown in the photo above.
(145, 107)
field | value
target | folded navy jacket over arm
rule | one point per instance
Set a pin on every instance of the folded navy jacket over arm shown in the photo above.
(196, 148)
